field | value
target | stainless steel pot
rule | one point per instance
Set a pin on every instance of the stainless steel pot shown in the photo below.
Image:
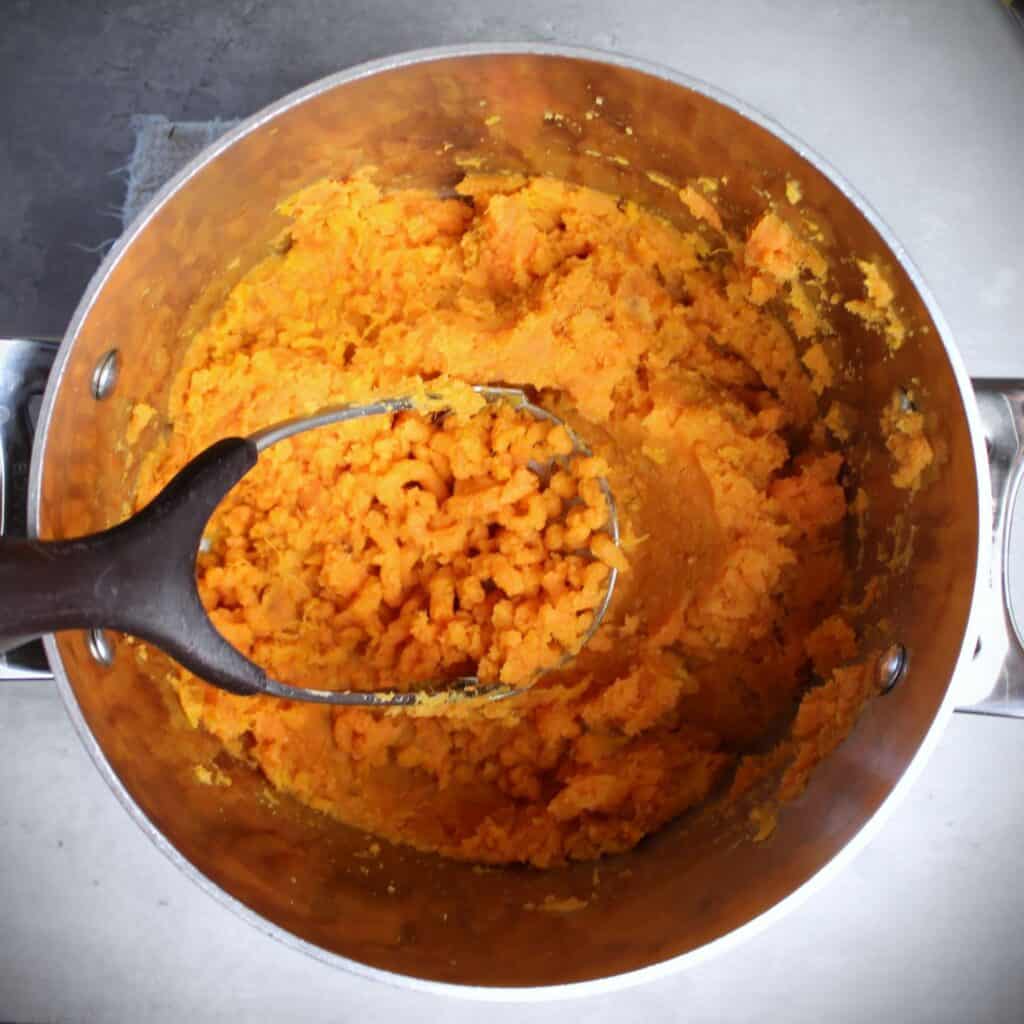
(421, 119)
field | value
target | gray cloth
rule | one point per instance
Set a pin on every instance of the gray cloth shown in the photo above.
(162, 148)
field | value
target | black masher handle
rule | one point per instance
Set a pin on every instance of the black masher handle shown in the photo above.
(137, 577)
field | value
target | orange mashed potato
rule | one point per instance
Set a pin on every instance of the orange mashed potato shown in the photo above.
(398, 550)
(402, 550)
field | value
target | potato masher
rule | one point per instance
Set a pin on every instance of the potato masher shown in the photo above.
(139, 577)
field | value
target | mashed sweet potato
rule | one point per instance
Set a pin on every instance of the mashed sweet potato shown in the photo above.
(415, 550)
(391, 553)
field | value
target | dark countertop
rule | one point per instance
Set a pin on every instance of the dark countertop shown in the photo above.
(72, 72)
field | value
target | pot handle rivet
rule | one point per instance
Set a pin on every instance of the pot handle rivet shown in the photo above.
(892, 667)
(104, 377)
(100, 647)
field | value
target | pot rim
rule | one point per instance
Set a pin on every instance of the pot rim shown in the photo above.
(617, 982)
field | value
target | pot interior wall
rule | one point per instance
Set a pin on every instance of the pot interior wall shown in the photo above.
(416, 915)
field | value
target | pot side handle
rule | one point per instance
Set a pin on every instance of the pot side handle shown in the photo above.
(999, 656)
(24, 367)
